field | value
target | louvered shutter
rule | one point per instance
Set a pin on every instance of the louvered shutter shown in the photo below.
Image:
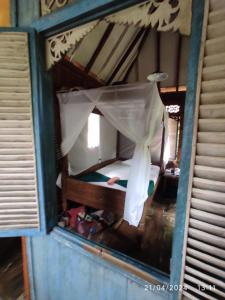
(204, 265)
(19, 205)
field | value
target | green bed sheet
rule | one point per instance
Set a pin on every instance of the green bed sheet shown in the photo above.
(97, 177)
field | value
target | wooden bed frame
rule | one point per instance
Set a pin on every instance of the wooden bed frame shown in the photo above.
(73, 189)
(95, 196)
(99, 197)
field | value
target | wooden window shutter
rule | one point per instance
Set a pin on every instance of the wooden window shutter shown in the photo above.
(19, 203)
(204, 252)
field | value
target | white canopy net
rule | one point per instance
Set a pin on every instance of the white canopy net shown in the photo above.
(136, 111)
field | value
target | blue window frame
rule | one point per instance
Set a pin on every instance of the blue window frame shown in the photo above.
(181, 204)
(74, 15)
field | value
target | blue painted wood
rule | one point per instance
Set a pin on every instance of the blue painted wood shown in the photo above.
(27, 11)
(81, 242)
(190, 102)
(19, 232)
(13, 12)
(30, 268)
(37, 125)
(43, 115)
(78, 13)
(62, 269)
(148, 292)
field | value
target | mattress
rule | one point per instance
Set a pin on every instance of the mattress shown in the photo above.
(118, 169)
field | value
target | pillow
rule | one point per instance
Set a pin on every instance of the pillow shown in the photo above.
(127, 162)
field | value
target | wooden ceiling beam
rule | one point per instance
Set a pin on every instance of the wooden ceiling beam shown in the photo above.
(158, 55)
(158, 50)
(177, 66)
(99, 47)
(126, 54)
(67, 75)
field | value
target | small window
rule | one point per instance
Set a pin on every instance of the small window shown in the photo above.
(93, 134)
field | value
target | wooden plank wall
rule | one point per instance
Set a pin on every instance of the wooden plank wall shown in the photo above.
(62, 269)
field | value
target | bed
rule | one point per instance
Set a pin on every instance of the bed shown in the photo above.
(118, 169)
(90, 187)
(133, 110)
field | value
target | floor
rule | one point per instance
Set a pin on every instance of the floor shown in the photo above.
(11, 278)
(154, 248)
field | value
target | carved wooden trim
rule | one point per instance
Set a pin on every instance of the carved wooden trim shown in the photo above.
(166, 15)
(48, 6)
(59, 44)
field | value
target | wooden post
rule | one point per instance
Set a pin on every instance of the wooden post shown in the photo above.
(118, 145)
(63, 181)
(26, 281)
(162, 147)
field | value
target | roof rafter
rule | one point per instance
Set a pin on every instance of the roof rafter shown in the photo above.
(141, 45)
(126, 54)
(158, 55)
(99, 47)
(177, 66)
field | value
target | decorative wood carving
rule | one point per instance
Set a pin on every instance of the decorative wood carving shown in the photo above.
(58, 45)
(164, 15)
(173, 108)
(174, 111)
(48, 6)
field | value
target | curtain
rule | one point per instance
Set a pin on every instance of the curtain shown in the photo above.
(136, 111)
(75, 109)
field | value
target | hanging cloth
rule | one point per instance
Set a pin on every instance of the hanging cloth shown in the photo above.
(136, 111)
(75, 108)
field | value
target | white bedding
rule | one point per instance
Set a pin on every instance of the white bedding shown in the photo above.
(121, 169)
(117, 169)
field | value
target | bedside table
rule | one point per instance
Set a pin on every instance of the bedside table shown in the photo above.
(170, 185)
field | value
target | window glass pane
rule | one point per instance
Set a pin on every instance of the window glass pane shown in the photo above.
(93, 131)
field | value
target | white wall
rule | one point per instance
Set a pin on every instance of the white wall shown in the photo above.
(126, 147)
(147, 62)
(81, 157)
